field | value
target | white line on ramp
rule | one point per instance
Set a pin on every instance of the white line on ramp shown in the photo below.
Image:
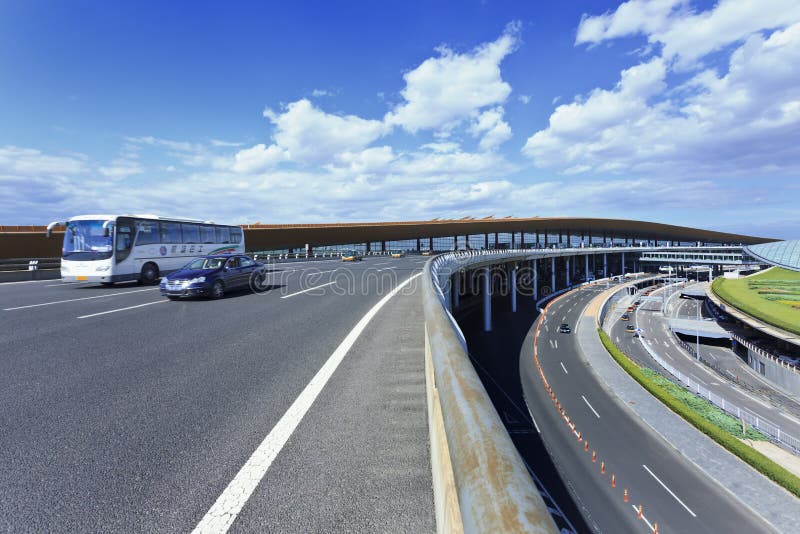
(122, 309)
(307, 290)
(227, 507)
(77, 299)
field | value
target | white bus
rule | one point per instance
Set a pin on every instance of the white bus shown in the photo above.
(116, 248)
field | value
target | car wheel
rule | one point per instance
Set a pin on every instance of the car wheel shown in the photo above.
(149, 274)
(218, 290)
(258, 282)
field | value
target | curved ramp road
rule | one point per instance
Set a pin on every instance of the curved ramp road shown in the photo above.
(673, 493)
(121, 411)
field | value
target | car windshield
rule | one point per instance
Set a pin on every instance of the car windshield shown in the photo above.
(204, 264)
(84, 240)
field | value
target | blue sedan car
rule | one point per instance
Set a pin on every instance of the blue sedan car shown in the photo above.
(212, 276)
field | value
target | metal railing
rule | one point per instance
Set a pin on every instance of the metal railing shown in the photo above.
(765, 354)
(754, 420)
(491, 490)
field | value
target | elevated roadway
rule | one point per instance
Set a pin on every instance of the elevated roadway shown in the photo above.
(121, 411)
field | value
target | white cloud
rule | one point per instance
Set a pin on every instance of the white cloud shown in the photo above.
(121, 168)
(310, 135)
(258, 158)
(221, 143)
(31, 162)
(319, 92)
(493, 129)
(742, 122)
(525, 99)
(442, 147)
(685, 34)
(443, 91)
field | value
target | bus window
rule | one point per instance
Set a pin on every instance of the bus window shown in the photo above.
(148, 233)
(236, 235)
(170, 232)
(223, 234)
(191, 233)
(207, 234)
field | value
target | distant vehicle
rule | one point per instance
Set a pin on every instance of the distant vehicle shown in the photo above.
(397, 253)
(630, 329)
(637, 303)
(426, 252)
(630, 309)
(564, 328)
(213, 276)
(351, 255)
(117, 248)
(625, 317)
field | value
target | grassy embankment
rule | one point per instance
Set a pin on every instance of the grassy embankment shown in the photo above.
(704, 416)
(772, 296)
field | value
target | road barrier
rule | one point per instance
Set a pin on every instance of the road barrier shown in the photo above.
(22, 269)
(481, 484)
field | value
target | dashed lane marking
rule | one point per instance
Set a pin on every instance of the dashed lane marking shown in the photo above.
(590, 407)
(80, 298)
(307, 290)
(122, 309)
(669, 490)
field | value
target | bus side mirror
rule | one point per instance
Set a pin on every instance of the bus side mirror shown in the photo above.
(107, 228)
(53, 225)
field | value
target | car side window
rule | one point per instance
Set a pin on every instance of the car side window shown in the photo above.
(233, 263)
(246, 262)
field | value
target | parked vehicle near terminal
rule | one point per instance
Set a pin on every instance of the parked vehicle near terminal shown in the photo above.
(397, 253)
(117, 248)
(630, 329)
(212, 276)
(564, 328)
(351, 255)
(625, 317)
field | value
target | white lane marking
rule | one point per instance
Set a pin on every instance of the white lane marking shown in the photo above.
(122, 309)
(644, 518)
(224, 511)
(564, 368)
(536, 426)
(307, 290)
(81, 298)
(546, 328)
(590, 406)
(789, 417)
(669, 490)
(26, 282)
(736, 388)
(666, 344)
(556, 343)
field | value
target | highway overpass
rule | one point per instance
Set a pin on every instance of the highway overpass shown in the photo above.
(343, 398)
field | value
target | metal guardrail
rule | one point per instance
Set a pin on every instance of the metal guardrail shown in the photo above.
(765, 354)
(491, 490)
(754, 420)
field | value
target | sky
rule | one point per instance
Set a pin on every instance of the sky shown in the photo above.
(674, 111)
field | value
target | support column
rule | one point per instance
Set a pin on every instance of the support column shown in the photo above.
(605, 265)
(419, 245)
(486, 241)
(456, 289)
(514, 288)
(586, 270)
(430, 244)
(568, 276)
(487, 302)
(569, 239)
(545, 240)
(513, 240)
(466, 243)
(535, 280)
(623, 263)
(383, 246)
(496, 240)
(369, 246)
(553, 274)
(537, 238)
(455, 242)
(522, 240)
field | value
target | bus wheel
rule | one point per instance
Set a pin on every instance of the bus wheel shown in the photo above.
(218, 290)
(149, 274)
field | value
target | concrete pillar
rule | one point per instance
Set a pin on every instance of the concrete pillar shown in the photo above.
(522, 239)
(553, 274)
(466, 242)
(456, 289)
(569, 239)
(605, 265)
(569, 278)
(487, 301)
(514, 288)
(513, 240)
(560, 238)
(383, 246)
(419, 245)
(586, 270)
(309, 249)
(368, 246)
(455, 242)
(496, 240)
(486, 241)
(623, 264)
(535, 280)
(545, 240)
(537, 238)
(430, 244)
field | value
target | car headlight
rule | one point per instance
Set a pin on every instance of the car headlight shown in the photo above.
(198, 280)
(102, 268)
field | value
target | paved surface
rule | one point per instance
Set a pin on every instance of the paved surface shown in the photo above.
(757, 496)
(137, 419)
(726, 375)
(673, 491)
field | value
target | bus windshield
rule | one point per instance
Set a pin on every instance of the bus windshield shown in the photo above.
(84, 240)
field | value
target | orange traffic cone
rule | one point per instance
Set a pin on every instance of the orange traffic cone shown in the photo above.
(613, 481)
(655, 528)
(586, 445)
(602, 468)
(640, 511)
(625, 495)
(594, 456)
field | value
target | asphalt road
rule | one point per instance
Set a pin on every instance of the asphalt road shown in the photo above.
(121, 411)
(733, 379)
(673, 492)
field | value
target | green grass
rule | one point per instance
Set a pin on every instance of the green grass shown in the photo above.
(772, 296)
(675, 402)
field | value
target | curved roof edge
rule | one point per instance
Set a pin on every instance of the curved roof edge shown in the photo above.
(784, 254)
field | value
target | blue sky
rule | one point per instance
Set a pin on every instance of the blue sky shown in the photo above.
(668, 110)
